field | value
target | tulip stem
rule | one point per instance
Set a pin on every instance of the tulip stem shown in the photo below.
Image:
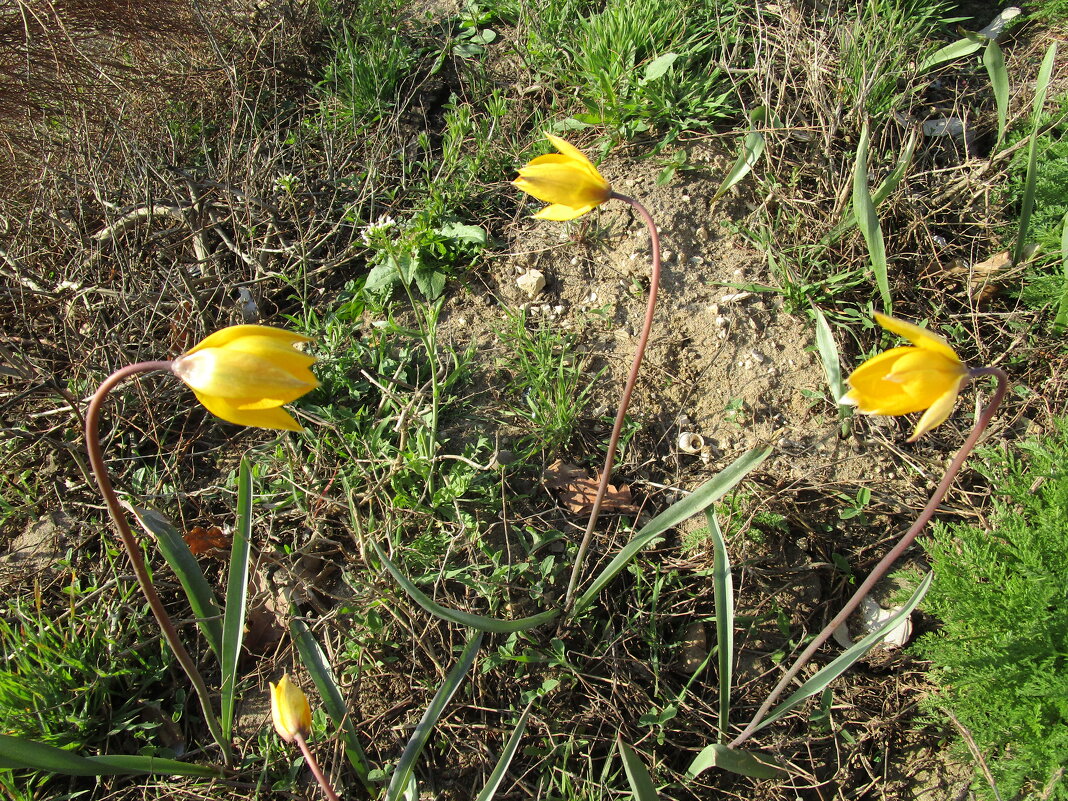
(628, 390)
(133, 549)
(887, 561)
(328, 791)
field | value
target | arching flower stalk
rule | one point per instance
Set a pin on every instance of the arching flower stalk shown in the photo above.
(572, 186)
(242, 374)
(927, 376)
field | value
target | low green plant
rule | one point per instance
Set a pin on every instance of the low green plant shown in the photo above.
(81, 679)
(1001, 654)
(546, 389)
(637, 65)
(371, 58)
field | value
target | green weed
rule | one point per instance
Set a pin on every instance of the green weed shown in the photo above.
(546, 392)
(84, 679)
(1000, 655)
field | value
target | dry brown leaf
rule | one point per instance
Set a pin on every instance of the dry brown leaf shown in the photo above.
(577, 491)
(208, 541)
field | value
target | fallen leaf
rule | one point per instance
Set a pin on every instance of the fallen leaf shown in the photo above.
(207, 541)
(577, 491)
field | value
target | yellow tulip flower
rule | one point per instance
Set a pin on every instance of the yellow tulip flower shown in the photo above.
(290, 710)
(245, 373)
(908, 379)
(567, 181)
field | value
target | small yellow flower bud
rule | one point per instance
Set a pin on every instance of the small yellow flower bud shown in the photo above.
(290, 710)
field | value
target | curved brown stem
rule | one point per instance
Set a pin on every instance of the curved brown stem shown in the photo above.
(132, 547)
(328, 791)
(887, 561)
(624, 402)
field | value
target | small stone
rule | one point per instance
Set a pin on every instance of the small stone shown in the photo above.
(532, 282)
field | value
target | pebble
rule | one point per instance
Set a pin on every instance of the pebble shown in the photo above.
(532, 282)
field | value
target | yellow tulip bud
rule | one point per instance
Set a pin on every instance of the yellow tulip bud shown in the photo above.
(245, 373)
(909, 379)
(290, 710)
(567, 181)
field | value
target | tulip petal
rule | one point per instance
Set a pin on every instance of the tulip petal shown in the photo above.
(920, 337)
(561, 213)
(232, 333)
(275, 417)
(280, 355)
(938, 412)
(568, 149)
(562, 183)
(246, 380)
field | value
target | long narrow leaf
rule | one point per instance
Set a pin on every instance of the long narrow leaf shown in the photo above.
(1028, 200)
(694, 503)
(994, 61)
(752, 149)
(828, 351)
(236, 597)
(477, 622)
(891, 181)
(198, 592)
(641, 784)
(744, 763)
(405, 769)
(868, 220)
(883, 191)
(333, 702)
(19, 754)
(845, 660)
(493, 783)
(723, 590)
(951, 52)
(1061, 321)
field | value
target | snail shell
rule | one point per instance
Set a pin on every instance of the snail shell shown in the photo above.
(689, 442)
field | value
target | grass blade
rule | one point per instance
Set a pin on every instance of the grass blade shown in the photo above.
(19, 754)
(845, 660)
(1041, 85)
(723, 587)
(505, 759)
(994, 61)
(404, 772)
(868, 220)
(319, 669)
(641, 785)
(198, 592)
(478, 622)
(752, 149)
(694, 503)
(744, 763)
(1061, 320)
(236, 597)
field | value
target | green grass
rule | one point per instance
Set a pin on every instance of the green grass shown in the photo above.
(92, 676)
(1000, 654)
(546, 391)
